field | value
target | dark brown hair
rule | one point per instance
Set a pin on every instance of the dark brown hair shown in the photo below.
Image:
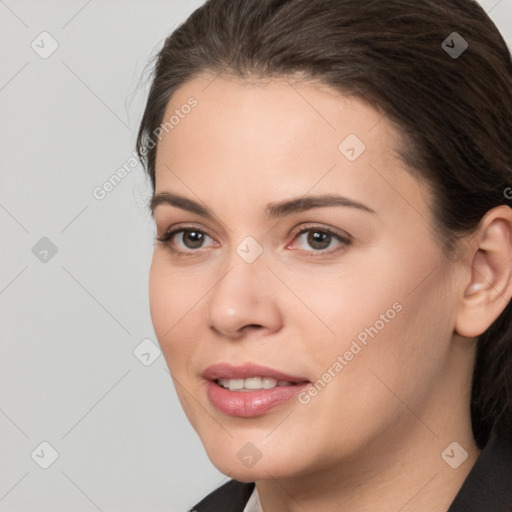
(454, 112)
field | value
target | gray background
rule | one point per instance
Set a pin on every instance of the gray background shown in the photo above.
(73, 371)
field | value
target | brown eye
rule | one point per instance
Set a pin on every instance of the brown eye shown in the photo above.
(192, 239)
(181, 239)
(318, 239)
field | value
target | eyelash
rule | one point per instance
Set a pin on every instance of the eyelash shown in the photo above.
(346, 241)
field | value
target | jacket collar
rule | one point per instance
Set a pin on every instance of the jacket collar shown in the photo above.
(488, 486)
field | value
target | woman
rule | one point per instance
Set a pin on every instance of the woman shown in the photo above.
(331, 278)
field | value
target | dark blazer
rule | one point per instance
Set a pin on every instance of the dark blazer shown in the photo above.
(487, 488)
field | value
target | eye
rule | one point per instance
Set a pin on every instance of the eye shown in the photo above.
(317, 240)
(187, 239)
(320, 239)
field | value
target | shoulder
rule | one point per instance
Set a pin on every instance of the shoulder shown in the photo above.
(230, 497)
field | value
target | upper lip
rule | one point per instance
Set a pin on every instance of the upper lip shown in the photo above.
(228, 371)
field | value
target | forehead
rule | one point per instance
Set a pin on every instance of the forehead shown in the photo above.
(252, 135)
(274, 106)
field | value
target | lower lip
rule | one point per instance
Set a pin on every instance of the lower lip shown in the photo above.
(248, 404)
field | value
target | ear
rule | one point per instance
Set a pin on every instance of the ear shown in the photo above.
(489, 288)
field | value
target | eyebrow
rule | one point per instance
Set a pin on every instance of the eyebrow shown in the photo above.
(272, 211)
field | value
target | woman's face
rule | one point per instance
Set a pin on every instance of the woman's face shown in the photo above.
(304, 256)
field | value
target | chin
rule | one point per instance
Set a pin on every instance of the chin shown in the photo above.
(244, 462)
(260, 471)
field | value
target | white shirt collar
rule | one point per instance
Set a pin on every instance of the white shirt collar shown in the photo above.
(254, 504)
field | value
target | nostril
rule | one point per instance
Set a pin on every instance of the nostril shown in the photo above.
(251, 327)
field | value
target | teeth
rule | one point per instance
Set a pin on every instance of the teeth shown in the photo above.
(269, 383)
(235, 384)
(252, 383)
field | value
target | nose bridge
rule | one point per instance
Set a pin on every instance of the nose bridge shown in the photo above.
(243, 295)
(246, 265)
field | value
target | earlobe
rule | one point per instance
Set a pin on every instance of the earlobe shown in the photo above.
(489, 289)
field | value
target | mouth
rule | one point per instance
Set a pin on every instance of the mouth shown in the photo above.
(250, 390)
(253, 383)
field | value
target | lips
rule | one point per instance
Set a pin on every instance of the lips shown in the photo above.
(250, 390)
(227, 371)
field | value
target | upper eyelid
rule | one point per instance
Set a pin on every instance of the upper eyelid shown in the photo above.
(179, 229)
(333, 231)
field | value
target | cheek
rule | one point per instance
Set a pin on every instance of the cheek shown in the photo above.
(172, 296)
(172, 302)
(392, 371)
(391, 317)
(160, 300)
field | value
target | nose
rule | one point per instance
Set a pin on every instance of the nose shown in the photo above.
(244, 299)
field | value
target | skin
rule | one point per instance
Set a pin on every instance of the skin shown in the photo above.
(372, 439)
